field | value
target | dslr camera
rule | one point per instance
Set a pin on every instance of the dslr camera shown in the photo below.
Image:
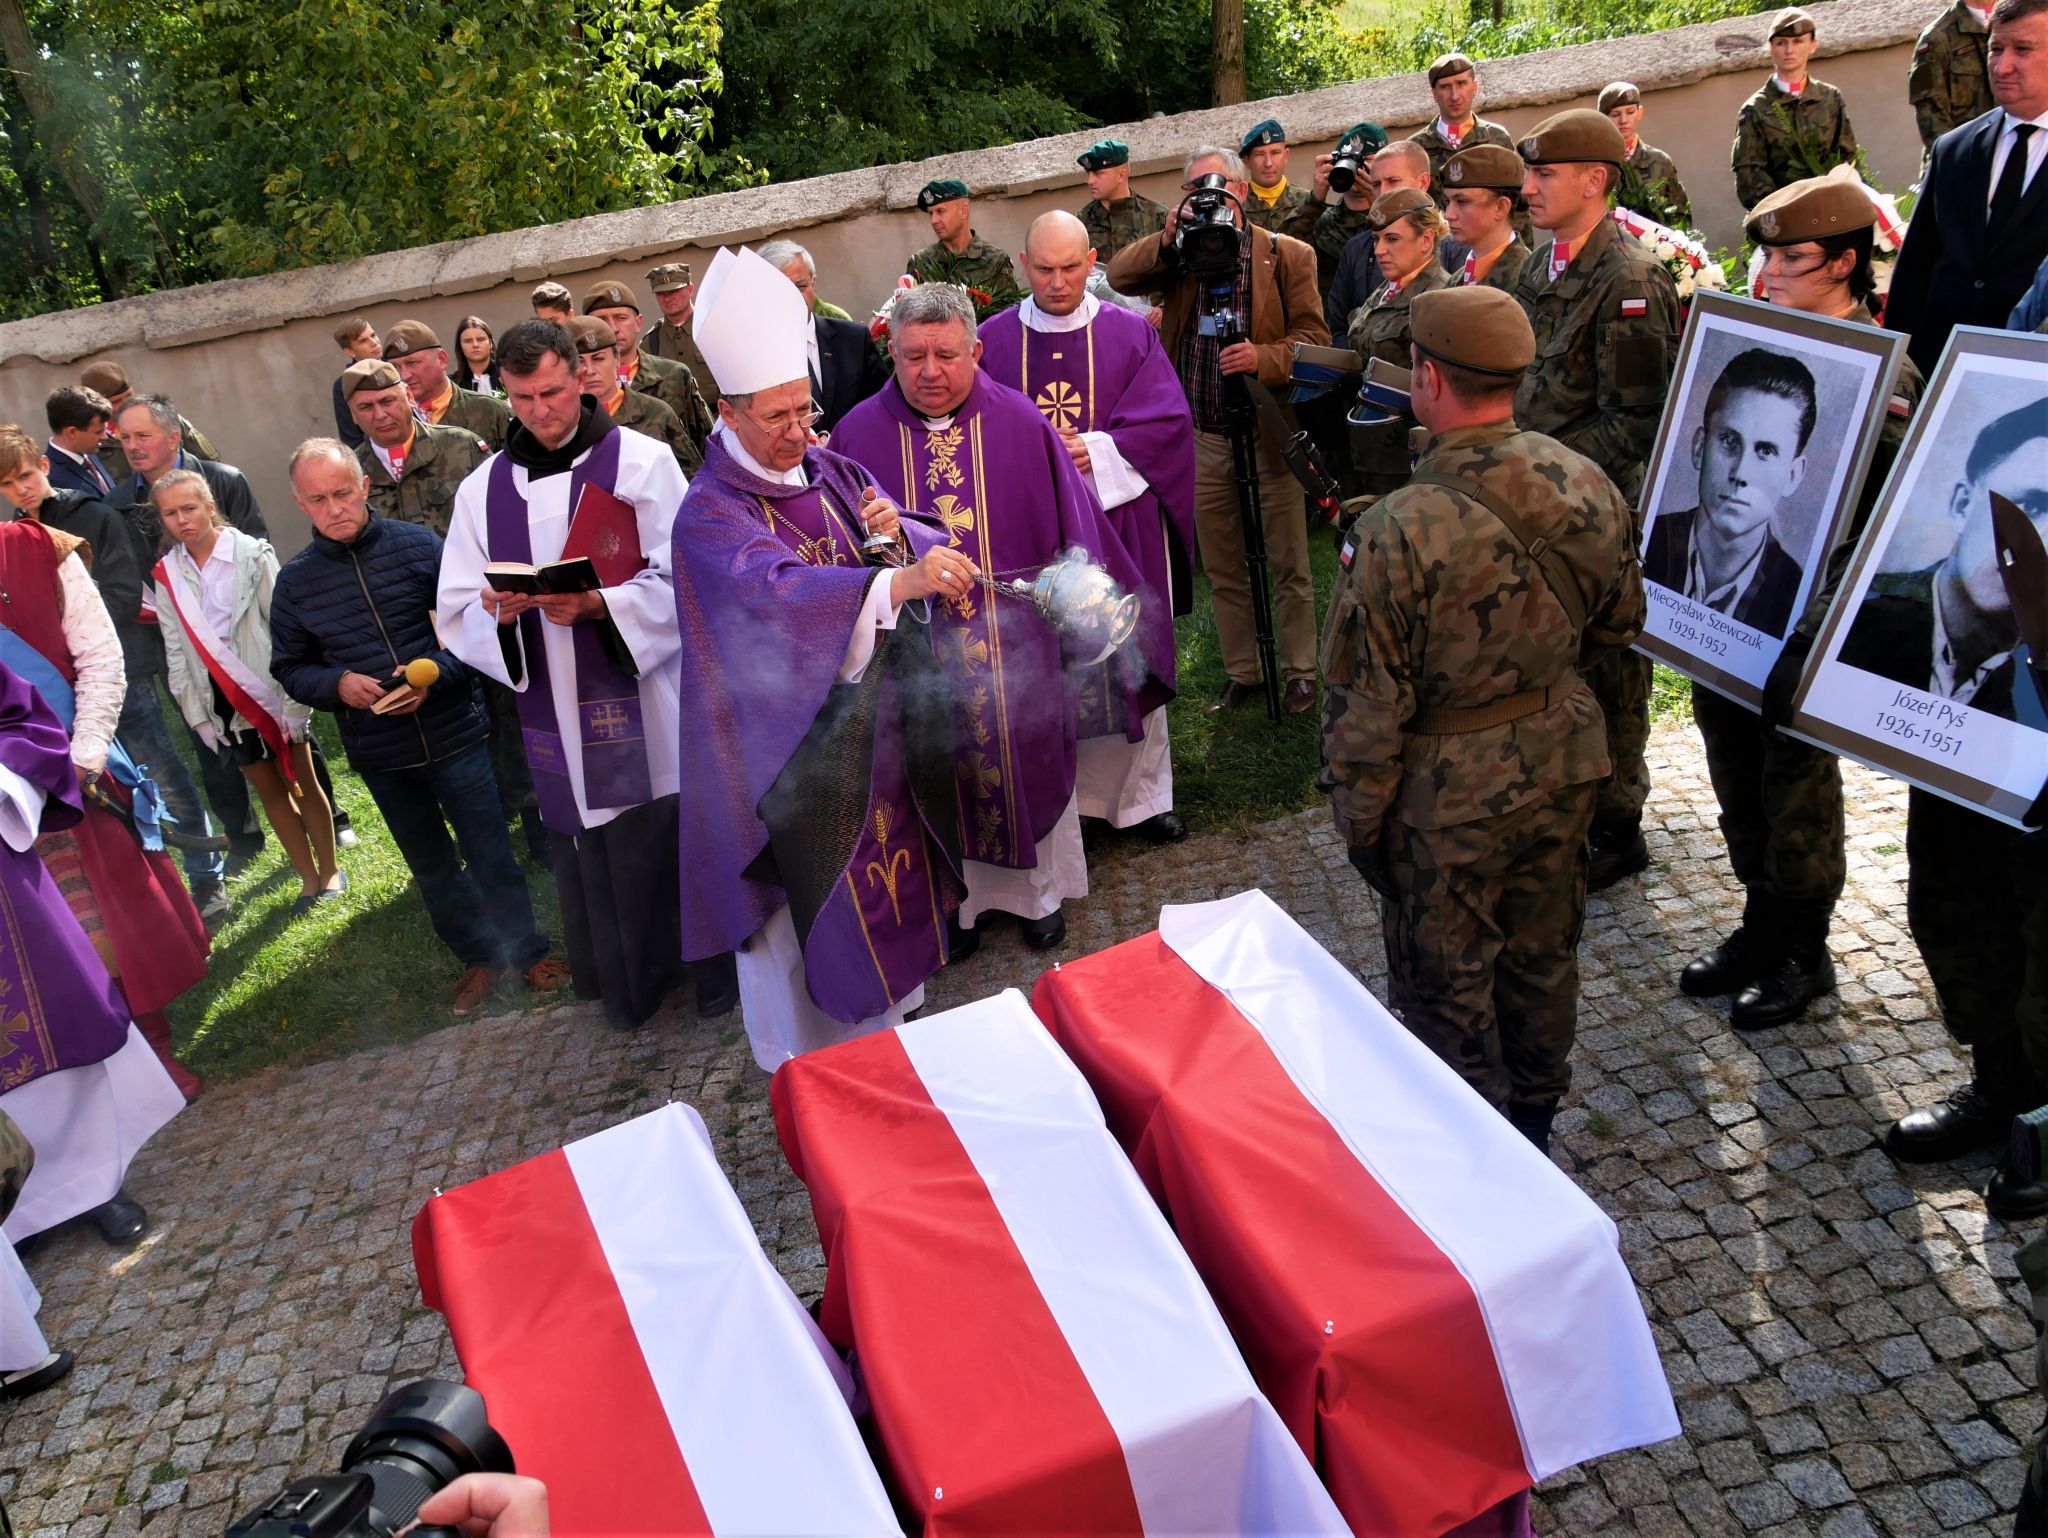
(1345, 163)
(418, 1440)
(1208, 228)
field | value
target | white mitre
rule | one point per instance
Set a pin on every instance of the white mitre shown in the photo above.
(751, 324)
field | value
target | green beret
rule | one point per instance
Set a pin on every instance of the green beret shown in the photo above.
(669, 277)
(610, 296)
(1392, 205)
(944, 190)
(1578, 137)
(368, 374)
(408, 337)
(1262, 134)
(1812, 209)
(1494, 167)
(1370, 135)
(1622, 93)
(1792, 22)
(1480, 328)
(1104, 154)
(1445, 65)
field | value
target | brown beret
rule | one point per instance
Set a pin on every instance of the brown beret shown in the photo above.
(1494, 167)
(610, 296)
(407, 337)
(368, 374)
(1792, 22)
(1622, 93)
(107, 378)
(1810, 210)
(1390, 206)
(1578, 137)
(1480, 328)
(669, 277)
(592, 334)
(1444, 65)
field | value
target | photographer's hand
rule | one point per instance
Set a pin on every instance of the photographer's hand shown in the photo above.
(1323, 175)
(490, 1506)
(1238, 358)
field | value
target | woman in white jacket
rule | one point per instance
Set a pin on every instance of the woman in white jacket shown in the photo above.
(213, 602)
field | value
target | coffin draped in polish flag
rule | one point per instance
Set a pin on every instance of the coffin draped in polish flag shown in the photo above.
(1439, 1315)
(636, 1348)
(1039, 1354)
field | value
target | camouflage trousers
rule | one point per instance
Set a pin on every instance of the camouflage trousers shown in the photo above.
(508, 750)
(1621, 683)
(1977, 905)
(1781, 802)
(1483, 942)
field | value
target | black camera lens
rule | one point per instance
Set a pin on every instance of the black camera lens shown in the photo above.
(419, 1439)
(1343, 172)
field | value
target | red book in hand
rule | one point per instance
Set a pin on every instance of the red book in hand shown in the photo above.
(605, 528)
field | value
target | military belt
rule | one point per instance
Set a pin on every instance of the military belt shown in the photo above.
(1454, 720)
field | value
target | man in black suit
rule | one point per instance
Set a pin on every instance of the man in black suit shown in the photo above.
(1750, 454)
(1981, 225)
(846, 366)
(78, 419)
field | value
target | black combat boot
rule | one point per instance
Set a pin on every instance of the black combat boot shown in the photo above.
(1804, 970)
(1737, 961)
(1532, 1118)
(1977, 1116)
(1616, 851)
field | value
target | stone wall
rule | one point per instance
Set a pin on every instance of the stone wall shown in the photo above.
(252, 360)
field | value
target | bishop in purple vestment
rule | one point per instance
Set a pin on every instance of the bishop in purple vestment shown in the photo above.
(975, 459)
(1101, 379)
(818, 821)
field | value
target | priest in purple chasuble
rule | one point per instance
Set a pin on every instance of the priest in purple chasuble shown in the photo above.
(595, 673)
(974, 459)
(818, 818)
(1100, 377)
(76, 1076)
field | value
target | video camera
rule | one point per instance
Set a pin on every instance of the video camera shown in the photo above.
(1209, 228)
(419, 1439)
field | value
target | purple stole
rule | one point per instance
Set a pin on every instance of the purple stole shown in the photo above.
(609, 732)
(889, 888)
(58, 1007)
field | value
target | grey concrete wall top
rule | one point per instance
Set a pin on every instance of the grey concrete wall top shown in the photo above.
(208, 312)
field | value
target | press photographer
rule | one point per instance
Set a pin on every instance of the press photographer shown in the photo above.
(1225, 318)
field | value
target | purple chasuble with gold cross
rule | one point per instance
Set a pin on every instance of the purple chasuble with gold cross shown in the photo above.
(999, 486)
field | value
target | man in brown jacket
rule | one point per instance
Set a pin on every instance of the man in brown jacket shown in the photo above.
(1274, 299)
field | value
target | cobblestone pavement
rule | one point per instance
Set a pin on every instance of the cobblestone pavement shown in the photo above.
(1841, 1334)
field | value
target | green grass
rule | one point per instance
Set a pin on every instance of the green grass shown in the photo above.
(356, 973)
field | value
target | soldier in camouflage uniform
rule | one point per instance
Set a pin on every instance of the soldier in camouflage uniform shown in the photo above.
(1115, 216)
(671, 340)
(1461, 744)
(1275, 204)
(1480, 204)
(413, 466)
(1454, 82)
(1795, 126)
(597, 351)
(960, 256)
(1649, 177)
(671, 383)
(1605, 313)
(413, 349)
(1406, 229)
(1949, 81)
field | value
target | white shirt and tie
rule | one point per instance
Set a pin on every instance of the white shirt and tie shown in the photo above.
(2010, 138)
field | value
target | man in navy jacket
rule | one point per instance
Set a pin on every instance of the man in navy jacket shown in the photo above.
(348, 613)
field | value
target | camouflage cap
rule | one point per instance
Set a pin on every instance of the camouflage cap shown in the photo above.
(1370, 137)
(669, 277)
(1390, 206)
(1475, 327)
(1494, 167)
(592, 334)
(1445, 65)
(1262, 133)
(1623, 93)
(368, 374)
(610, 296)
(408, 337)
(1792, 22)
(1578, 137)
(1812, 209)
(944, 190)
(1104, 155)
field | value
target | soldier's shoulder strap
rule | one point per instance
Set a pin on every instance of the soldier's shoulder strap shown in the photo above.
(1556, 570)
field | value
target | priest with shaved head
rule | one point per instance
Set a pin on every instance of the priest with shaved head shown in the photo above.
(1100, 377)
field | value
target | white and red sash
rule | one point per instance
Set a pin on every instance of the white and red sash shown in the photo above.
(256, 699)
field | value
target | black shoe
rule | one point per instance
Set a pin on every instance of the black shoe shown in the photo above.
(1166, 828)
(1805, 973)
(1617, 852)
(31, 1380)
(1234, 694)
(1961, 1124)
(1043, 934)
(121, 1221)
(960, 943)
(1729, 967)
(1532, 1118)
(718, 985)
(2013, 1200)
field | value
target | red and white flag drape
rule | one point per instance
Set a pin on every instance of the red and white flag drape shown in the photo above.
(1039, 1354)
(1439, 1315)
(636, 1348)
